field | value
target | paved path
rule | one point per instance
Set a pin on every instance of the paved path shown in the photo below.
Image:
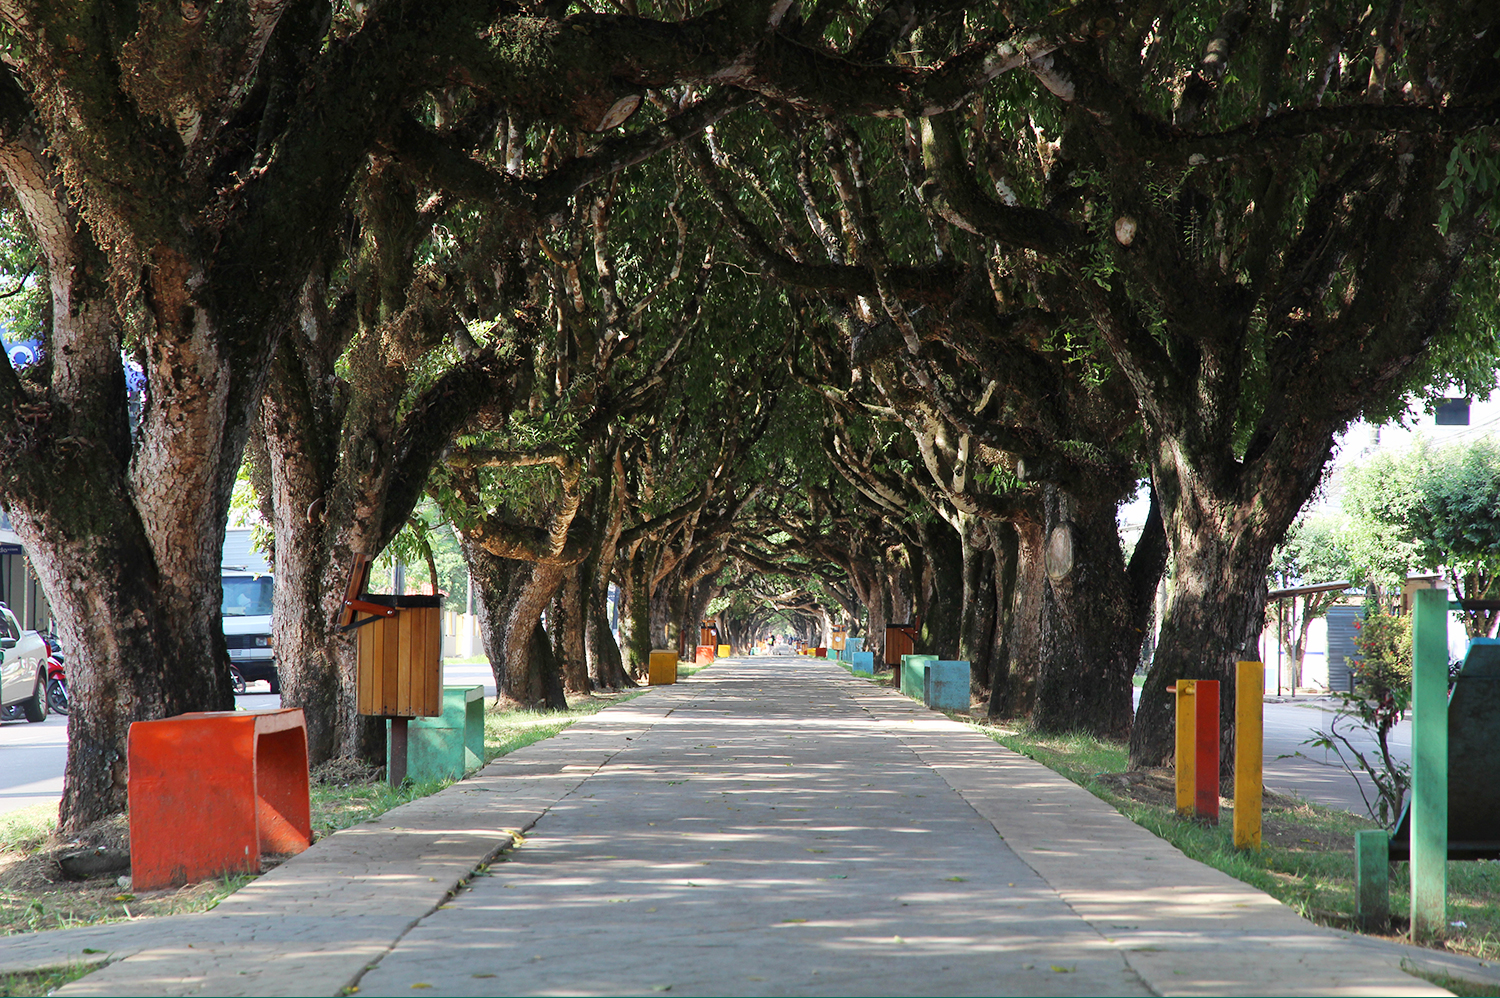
(770, 827)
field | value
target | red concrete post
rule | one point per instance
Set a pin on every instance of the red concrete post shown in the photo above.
(1206, 749)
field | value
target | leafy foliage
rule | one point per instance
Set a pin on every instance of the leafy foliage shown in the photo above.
(1434, 508)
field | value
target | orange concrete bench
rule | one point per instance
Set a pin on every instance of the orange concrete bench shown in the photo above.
(212, 792)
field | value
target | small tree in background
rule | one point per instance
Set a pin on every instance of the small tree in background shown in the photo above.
(1435, 508)
(1315, 551)
(1382, 673)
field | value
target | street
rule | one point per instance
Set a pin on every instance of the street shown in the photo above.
(34, 754)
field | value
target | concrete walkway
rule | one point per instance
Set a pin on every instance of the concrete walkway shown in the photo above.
(770, 827)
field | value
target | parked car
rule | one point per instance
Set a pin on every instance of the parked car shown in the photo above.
(23, 671)
(246, 613)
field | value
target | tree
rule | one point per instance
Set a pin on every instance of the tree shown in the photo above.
(1246, 206)
(184, 170)
(1442, 504)
(1314, 552)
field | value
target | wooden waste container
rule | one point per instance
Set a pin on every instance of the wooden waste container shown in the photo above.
(401, 657)
(400, 668)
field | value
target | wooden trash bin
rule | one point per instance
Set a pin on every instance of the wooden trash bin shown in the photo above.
(400, 667)
(900, 640)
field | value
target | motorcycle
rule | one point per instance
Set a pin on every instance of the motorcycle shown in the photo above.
(57, 679)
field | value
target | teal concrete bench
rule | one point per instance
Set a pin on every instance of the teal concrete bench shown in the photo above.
(947, 685)
(449, 745)
(914, 675)
(863, 663)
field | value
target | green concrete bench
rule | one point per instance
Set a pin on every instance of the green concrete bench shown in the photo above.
(914, 675)
(863, 663)
(449, 745)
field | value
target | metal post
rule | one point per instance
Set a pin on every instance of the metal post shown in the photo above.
(1186, 729)
(1206, 749)
(1249, 732)
(1429, 771)
(397, 774)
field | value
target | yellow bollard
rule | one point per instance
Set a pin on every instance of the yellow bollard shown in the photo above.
(663, 668)
(1249, 734)
(724, 651)
(1187, 723)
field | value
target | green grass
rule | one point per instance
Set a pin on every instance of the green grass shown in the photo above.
(686, 670)
(1307, 860)
(42, 982)
(27, 829)
(1460, 987)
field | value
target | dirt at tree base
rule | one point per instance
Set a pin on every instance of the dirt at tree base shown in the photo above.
(1284, 822)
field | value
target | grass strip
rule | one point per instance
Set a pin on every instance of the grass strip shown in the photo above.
(42, 982)
(1307, 858)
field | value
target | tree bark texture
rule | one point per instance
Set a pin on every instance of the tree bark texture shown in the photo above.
(1089, 647)
(509, 597)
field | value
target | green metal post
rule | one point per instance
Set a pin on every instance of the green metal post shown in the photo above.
(1429, 771)
(1372, 879)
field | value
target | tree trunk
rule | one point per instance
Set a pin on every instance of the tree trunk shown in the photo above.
(942, 590)
(509, 597)
(1089, 647)
(1214, 610)
(1023, 623)
(148, 647)
(639, 612)
(976, 637)
(568, 620)
(1003, 552)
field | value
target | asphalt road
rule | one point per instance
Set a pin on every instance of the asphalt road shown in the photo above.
(32, 756)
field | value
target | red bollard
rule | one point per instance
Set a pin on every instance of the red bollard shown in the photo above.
(1206, 749)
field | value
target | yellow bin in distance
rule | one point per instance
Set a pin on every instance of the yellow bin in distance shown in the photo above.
(723, 651)
(663, 668)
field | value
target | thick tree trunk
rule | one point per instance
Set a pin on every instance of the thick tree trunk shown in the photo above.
(568, 621)
(1089, 647)
(942, 590)
(638, 605)
(1003, 563)
(1215, 607)
(976, 637)
(1023, 624)
(141, 645)
(509, 597)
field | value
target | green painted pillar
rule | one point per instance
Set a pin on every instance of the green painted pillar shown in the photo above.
(1429, 764)
(1372, 880)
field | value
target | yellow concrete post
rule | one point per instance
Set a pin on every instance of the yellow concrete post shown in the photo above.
(663, 668)
(1249, 752)
(1187, 723)
(724, 651)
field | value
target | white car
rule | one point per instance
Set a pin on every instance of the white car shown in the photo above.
(23, 673)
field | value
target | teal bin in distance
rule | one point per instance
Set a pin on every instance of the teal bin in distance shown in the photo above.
(449, 745)
(914, 675)
(947, 685)
(863, 663)
(854, 644)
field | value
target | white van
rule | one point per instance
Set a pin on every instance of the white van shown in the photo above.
(246, 612)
